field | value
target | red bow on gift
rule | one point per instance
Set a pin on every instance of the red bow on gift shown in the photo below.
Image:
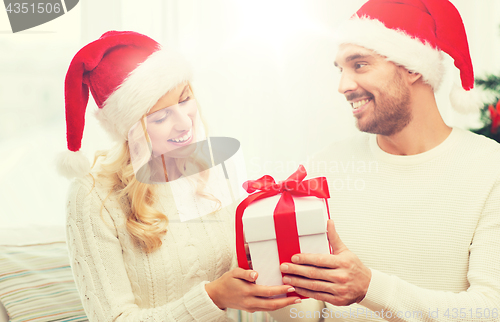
(287, 237)
(495, 117)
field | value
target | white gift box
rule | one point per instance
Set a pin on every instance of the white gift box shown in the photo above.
(258, 226)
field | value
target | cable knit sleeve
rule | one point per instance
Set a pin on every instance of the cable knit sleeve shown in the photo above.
(97, 261)
(402, 301)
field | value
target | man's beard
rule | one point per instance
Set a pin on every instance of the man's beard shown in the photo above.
(391, 113)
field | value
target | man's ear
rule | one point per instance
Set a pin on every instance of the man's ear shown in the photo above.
(413, 76)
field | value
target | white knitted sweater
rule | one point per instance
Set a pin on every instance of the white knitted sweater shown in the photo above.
(428, 226)
(118, 281)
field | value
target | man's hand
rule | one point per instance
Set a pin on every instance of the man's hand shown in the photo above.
(340, 278)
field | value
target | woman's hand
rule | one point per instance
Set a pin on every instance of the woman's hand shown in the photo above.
(235, 289)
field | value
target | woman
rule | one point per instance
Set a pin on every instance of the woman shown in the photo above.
(132, 257)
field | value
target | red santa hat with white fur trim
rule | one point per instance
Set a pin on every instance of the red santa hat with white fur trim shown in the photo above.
(127, 73)
(413, 34)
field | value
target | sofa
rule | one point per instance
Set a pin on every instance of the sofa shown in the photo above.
(36, 282)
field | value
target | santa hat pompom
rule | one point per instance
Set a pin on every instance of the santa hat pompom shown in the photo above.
(465, 102)
(72, 164)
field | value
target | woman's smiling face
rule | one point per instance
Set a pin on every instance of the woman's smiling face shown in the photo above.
(171, 123)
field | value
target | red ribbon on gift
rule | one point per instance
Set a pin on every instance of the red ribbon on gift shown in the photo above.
(285, 223)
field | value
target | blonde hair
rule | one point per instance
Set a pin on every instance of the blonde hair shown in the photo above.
(145, 223)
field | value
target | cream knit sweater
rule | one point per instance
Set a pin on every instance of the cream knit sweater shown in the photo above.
(117, 281)
(427, 225)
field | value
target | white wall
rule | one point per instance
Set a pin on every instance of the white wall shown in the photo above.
(264, 75)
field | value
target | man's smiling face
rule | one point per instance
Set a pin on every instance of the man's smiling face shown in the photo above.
(375, 88)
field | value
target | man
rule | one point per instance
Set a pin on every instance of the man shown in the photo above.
(416, 203)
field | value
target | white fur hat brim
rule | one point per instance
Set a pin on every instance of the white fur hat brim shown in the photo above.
(161, 72)
(396, 45)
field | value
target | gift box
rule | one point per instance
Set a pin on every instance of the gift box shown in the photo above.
(280, 220)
